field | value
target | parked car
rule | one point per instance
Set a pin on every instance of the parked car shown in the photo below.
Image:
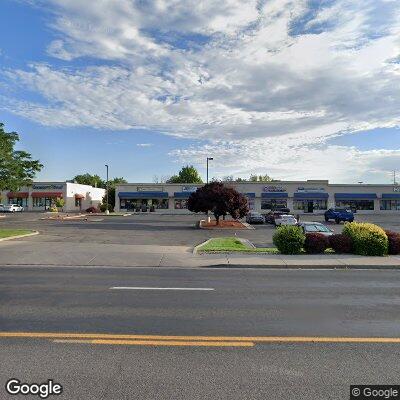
(1, 207)
(284, 210)
(339, 214)
(315, 227)
(254, 218)
(13, 208)
(285, 219)
(272, 215)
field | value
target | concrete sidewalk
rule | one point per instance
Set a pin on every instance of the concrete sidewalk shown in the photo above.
(28, 252)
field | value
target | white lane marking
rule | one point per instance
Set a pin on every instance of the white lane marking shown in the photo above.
(157, 288)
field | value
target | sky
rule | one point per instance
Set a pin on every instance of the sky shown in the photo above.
(296, 89)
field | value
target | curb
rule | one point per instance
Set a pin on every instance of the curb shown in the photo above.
(196, 248)
(306, 267)
(245, 224)
(34, 233)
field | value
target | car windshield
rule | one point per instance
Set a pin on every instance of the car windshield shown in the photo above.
(322, 228)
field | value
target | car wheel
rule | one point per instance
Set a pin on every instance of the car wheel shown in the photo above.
(337, 220)
(351, 220)
(326, 219)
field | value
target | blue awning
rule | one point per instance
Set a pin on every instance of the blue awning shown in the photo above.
(355, 196)
(143, 195)
(274, 195)
(311, 195)
(182, 195)
(249, 195)
(392, 196)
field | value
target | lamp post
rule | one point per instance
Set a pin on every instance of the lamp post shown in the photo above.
(107, 211)
(208, 159)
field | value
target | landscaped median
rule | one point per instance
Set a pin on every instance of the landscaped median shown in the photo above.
(360, 239)
(7, 234)
(232, 244)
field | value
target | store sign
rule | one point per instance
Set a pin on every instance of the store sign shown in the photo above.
(302, 189)
(47, 187)
(396, 189)
(189, 188)
(273, 188)
(149, 189)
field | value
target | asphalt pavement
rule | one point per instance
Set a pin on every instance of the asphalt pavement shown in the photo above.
(127, 333)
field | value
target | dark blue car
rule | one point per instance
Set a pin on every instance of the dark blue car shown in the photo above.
(339, 214)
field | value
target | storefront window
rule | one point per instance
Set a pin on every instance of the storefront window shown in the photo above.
(143, 204)
(38, 201)
(356, 204)
(21, 201)
(78, 202)
(390, 205)
(272, 204)
(304, 205)
(180, 204)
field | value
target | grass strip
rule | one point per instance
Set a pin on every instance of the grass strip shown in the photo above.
(5, 233)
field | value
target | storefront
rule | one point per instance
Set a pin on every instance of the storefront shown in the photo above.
(310, 201)
(356, 201)
(312, 196)
(143, 200)
(273, 200)
(41, 196)
(390, 202)
(20, 198)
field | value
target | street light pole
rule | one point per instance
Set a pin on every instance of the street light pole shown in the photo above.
(208, 159)
(107, 211)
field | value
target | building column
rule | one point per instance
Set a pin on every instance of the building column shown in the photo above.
(171, 203)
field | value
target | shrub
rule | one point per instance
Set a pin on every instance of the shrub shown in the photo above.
(315, 243)
(92, 210)
(341, 243)
(53, 209)
(394, 242)
(368, 239)
(289, 239)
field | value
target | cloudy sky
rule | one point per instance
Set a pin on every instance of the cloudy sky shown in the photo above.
(293, 88)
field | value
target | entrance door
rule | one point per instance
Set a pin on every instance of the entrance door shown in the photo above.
(48, 201)
(310, 206)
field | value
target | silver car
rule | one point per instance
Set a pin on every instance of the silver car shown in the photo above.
(254, 218)
(315, 227)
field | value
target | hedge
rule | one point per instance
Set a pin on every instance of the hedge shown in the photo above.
(394, 242)
(368, 239)
(315, 243)
(289, 239)
(341, 243)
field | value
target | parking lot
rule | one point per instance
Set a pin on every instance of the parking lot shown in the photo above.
(155, 229)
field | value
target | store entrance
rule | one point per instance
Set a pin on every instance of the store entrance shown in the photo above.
(48, 201)
(310, 206)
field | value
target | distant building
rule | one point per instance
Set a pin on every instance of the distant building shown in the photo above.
(41, 195)
(311, 196)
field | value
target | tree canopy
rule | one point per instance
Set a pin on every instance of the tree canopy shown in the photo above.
(96, 181)
(187, 174)
(17, 168)
(220, 200)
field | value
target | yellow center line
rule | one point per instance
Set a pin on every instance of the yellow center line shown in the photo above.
(256, 339)
(158, 343)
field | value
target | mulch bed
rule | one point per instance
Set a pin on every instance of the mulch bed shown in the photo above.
(223, 224)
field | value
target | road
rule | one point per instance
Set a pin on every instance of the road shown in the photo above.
(127, 333)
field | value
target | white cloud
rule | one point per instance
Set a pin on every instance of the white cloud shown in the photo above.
(144, 144)
(243, 76)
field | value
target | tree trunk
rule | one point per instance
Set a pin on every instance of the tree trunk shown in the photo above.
(217, 218)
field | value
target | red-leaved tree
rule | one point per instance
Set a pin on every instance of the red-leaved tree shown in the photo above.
(218, 199)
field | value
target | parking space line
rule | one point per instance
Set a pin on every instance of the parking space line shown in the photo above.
(159, 288)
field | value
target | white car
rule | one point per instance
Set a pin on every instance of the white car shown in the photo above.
(316, 227)
(285, 219)
(2, 207)
(13, 208)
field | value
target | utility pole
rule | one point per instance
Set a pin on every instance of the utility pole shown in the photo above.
(208, 159)
(107, 211)
(394, 178)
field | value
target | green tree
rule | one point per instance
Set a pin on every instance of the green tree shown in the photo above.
(187, 174)
(88, 179)
(261, 178)
(111, 193)
(16, 166)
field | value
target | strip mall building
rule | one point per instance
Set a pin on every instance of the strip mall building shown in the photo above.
(41, 195)
(311, 196)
